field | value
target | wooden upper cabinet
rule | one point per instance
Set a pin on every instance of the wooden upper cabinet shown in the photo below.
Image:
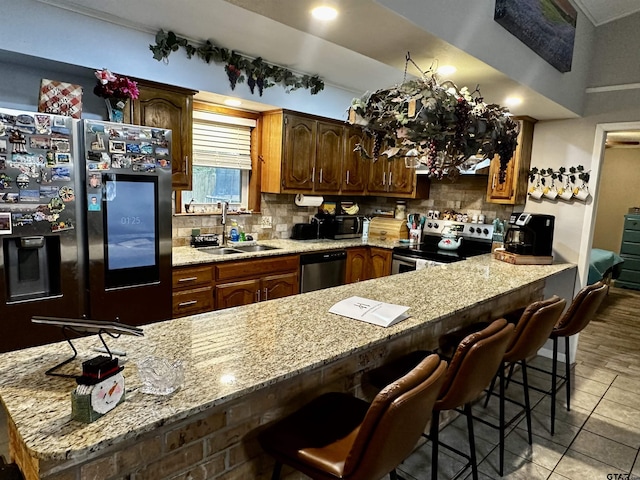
(513, 190)
(355, 168)
(299, 155)
(329, 153)
(306, 154)
(164, 106)
(401, 179)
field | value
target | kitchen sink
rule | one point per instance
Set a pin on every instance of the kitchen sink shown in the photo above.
(241, 249)
(255, 248)
(219, 250)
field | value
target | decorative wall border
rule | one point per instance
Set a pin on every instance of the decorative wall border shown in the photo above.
(571, 184)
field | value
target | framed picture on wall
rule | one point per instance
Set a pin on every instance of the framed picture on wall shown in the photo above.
(548, 27)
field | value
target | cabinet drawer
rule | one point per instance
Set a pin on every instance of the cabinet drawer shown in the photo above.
(631, 222)
(254, 268)
(189, 302)
(191, 277)
(631, 263)
(630, 276)
(630, 247)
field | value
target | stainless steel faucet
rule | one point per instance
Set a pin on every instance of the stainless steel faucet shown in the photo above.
(223, 221)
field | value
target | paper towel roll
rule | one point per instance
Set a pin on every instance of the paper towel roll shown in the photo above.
(307, 201)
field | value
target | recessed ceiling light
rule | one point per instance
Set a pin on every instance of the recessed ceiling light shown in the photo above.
(513, 101)
(233, 102)
(324, 13)
(447, 70)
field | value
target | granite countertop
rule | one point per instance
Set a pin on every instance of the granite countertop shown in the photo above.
(182, 256)
(229, 353)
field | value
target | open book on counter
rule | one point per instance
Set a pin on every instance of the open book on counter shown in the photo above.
(371, 311)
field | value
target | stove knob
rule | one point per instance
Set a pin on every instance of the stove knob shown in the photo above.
(429, 225)
(485, 231)
(435, 225)
(471, 230)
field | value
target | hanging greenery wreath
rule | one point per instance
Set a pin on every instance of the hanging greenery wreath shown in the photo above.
(257, 73)
(436, 124)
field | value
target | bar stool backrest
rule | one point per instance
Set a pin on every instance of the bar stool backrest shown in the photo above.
(582, 309)
(474, 363)
(395, 421)
(533, 328)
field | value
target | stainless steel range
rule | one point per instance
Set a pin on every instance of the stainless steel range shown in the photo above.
(476, 240)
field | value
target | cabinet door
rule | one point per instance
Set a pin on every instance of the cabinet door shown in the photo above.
(380, 262)
(237, 293)
(357, 261)
(278, 286)
(378, 175)
(156, 107)
(401, 179)
(299, 153)
(500, 191)
(513, 190)
(328, 164)
(355, 167)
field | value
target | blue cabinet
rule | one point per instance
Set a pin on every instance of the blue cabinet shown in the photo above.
(630, 251)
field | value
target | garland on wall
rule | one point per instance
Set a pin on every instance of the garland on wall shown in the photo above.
(257, 73)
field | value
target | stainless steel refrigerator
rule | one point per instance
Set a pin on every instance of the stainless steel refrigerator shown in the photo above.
(85, 224)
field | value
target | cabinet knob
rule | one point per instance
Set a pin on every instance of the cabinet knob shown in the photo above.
(320, 175)
(313, 175)
(258, 295)
(390, 174)
(347, 177)
(384, 178)
(265, 293)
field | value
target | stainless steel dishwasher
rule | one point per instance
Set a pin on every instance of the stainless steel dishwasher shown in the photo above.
(322, 270)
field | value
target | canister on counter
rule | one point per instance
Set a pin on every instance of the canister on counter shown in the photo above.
(401, 210)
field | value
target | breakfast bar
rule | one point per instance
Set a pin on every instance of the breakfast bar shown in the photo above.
(243, 368)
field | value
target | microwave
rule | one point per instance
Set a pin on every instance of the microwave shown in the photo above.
(343, 226)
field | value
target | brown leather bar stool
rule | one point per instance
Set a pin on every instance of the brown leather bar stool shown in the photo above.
(531, 332)
(338, 436)
(473, 365)
(581, 311)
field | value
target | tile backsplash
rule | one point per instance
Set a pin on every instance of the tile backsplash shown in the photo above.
(466, 195)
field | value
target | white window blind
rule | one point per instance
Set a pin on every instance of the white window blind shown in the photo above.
(221, 141)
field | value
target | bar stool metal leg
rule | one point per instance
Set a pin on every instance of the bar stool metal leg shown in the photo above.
(567, 360)
(433, 434)
(527, 403)
(501, 374)
(554, 372)
(472, 442)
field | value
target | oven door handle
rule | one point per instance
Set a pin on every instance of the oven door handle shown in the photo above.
(402, 258)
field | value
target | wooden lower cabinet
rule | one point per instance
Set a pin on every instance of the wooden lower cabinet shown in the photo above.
(380, 262)
(235, 294)
(364, 263)
(192, 290)
(256, 280)
(357, 264)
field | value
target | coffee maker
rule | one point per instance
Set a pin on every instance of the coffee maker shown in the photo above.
(530, 234)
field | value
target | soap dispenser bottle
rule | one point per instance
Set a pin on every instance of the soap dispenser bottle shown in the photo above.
(233, 233)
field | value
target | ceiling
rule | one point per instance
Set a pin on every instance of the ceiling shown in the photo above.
(605, 11)
(363, 50)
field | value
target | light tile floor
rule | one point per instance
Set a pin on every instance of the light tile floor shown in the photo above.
(598, 439)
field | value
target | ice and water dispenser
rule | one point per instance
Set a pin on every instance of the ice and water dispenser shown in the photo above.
(32, 267)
